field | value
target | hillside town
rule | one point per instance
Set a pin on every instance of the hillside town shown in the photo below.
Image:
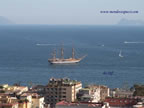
(67, 93)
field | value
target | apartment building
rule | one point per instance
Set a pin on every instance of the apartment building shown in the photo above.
(93, 93)
(61, 89)
(89, 94)
(7, 101)
(37, 101)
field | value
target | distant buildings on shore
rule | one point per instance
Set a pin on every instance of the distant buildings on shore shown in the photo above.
(19, 97)
(64, 93)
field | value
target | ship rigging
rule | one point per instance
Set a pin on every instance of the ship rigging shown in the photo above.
(62, 60)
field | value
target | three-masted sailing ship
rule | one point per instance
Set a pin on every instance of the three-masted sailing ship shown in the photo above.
(62, 60)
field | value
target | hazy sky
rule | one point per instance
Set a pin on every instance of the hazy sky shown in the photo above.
(69, 11)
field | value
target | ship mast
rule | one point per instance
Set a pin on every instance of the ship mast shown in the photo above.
(54, 54)
(73, 53)
(62, 53)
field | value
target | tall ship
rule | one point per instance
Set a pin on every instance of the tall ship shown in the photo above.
(62, 60)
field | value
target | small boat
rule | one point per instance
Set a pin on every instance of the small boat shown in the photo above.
(126, 42)
(120, 55)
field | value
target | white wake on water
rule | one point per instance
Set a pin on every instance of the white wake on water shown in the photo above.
(128, 42)
(45, 44)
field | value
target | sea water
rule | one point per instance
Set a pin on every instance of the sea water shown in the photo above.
(25, 49)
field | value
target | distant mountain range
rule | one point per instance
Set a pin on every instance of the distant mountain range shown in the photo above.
(4, 20)
(130, 22)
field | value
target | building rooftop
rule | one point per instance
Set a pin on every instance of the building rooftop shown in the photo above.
(7, 104)
(85, 89)
(64, 104)
(26, 94)
(97, 86)
(63, 81)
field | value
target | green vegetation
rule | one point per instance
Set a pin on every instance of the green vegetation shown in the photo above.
(1, 87)
(139, 90)
(2, 91)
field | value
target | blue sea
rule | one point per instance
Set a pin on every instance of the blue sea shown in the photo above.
(25, 49)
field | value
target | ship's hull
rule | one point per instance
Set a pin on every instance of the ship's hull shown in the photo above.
(64, 61)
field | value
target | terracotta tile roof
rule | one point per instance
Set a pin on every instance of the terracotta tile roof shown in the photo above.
(7, 104)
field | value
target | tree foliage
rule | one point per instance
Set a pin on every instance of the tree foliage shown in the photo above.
(139, 90)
